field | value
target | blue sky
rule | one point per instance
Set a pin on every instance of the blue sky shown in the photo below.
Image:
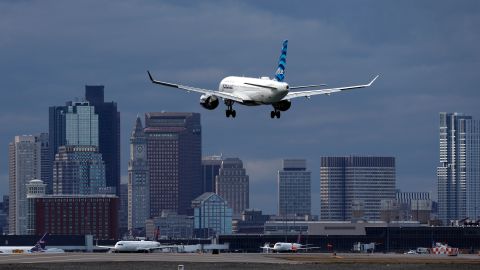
(425, 51)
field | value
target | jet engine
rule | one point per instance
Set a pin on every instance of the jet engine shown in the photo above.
(209, 102)
(283, 105)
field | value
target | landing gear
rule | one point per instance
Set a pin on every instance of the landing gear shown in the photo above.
(275, 113)
(230, 111)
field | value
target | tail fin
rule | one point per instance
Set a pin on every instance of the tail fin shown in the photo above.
(157, 233)
(40, 245)
(282, 62)
(299, 238)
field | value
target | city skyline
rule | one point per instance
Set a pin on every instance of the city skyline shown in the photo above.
(427, 64)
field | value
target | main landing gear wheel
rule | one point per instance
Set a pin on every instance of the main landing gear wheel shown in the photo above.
(229, 113)
(274, 114)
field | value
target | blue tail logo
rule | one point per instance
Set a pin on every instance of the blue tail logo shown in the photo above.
(282, 62)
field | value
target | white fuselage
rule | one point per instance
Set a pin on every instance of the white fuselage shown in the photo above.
(136, 246)
(254, 91)
(280, 246)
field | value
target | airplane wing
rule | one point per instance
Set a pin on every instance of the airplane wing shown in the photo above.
(307, 248)
(198, 90)
(108, 249)
(326, 91)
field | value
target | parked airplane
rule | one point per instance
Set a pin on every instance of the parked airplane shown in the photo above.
(286, 247)
(135, 246)
(145, 246)
(258, 91)
(39, 247)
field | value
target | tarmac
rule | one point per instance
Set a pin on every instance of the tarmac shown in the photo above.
(251, 261)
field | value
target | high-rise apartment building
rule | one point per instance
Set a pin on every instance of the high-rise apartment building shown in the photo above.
(294, 188)
(459, 169)
(210, 169)
(108, 133)
(353, 187)
(78, 170)
(138, 179)
(232, 184)
(174, 155)
(25, 164)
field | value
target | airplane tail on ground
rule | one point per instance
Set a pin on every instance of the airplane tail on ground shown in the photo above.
(40, 245)
(282, 62)
(157, 233)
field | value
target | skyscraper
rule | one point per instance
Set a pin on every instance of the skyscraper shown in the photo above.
(90, 122)
(81, 124)
(232, 184)
(76, 123)
(108, 133)
(174, 154)
(210, 168)
(459, 169)
(353, 185)
(294, 193)
(25, 164)
(138, 179)
(45, 162)
(78, 170)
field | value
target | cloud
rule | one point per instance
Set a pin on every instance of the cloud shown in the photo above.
(428, 63)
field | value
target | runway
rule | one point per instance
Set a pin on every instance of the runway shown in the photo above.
(142, 257)
(250, 261)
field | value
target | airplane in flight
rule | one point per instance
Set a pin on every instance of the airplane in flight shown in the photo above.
(39, 247)
(258, 91)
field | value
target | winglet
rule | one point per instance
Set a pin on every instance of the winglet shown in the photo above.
(162, 83)
(150, 75)
(373, 80)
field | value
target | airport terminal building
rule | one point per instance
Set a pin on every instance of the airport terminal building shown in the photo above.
(341, 236)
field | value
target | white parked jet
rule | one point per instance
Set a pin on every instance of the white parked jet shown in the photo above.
(286, 247)
(40, 247)
(136, 246)
(258, 91)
